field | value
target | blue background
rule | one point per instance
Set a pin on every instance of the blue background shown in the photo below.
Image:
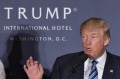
(45, 51)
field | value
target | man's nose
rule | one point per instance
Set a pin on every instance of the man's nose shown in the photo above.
(88, 41)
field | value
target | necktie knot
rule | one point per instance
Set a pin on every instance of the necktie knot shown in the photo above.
(94, 63)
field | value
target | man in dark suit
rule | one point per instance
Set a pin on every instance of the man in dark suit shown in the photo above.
(100, 64)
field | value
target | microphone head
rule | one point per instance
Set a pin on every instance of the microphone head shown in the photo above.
(81, 60)
(83, 57)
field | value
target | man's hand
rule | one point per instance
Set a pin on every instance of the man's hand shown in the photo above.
(33, 69)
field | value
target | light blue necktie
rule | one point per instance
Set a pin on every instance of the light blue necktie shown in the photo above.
(93, 73)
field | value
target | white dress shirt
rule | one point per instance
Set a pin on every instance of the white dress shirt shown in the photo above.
(100, 66)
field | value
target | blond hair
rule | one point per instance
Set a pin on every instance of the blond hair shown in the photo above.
(97, 23)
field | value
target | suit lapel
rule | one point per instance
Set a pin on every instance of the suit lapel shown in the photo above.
(79, 74)
(109, 68)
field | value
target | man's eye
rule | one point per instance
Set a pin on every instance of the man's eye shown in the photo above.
(94, 36)
(84, 37)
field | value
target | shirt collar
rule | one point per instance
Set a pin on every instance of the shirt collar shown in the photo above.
(101, 61)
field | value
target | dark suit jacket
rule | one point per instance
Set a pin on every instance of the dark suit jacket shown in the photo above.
(63, 65)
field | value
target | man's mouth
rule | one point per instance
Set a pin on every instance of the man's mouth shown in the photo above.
(88, 50)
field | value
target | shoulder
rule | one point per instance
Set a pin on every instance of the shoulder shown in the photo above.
(113, 59)
(70, 58)
(70, 55)
(113, 56)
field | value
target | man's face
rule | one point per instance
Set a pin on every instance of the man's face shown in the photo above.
(94, 42)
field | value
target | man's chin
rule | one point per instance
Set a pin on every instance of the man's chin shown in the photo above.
(90, 56)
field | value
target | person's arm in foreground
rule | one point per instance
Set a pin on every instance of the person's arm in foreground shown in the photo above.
(2, 71)
(33, 69)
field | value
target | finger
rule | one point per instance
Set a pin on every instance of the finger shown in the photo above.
(36, 64)
(31, 61)
(41, 68)
(28, 63)
(25, 68)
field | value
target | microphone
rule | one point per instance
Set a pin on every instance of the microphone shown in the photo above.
(81, 60)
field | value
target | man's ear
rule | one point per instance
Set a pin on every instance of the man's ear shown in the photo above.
(106, 42)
